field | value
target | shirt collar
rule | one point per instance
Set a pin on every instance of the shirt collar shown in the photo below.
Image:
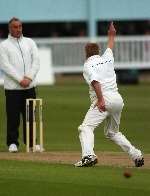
(14, 38)
(92, 57)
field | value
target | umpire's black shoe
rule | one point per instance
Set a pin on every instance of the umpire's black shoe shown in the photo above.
(139, 162)
(87, 161)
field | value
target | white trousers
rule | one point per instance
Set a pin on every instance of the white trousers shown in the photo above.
(112, 115)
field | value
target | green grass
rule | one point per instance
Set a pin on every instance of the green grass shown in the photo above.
(64, 108)
(28, 178)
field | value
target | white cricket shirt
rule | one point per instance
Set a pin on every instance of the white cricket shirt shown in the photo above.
(101, 69)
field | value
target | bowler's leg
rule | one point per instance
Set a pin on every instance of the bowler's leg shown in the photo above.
(86, 135)
(112, 132)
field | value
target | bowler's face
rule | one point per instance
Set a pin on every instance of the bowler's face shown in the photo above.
(15, 29)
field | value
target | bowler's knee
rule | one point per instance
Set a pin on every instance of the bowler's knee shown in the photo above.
(81, 128)
(84, 128)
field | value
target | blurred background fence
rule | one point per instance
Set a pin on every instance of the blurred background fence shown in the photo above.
(132, 52)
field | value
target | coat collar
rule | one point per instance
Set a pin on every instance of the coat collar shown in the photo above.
(14, 38)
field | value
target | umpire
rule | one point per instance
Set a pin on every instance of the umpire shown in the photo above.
(19, 62)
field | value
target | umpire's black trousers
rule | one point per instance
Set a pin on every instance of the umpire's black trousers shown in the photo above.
(15, 107)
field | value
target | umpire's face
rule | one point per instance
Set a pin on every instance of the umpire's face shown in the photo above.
(15, 29)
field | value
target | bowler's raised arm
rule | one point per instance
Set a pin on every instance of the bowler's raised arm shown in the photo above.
(111, 36)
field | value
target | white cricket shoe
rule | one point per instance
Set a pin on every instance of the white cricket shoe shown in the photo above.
(87, 161)
(13, 148)
(139, 162)
(137, 157)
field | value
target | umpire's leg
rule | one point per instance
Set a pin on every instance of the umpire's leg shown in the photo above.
(13, 116)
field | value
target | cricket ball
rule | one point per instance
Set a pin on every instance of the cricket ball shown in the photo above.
(127, 174)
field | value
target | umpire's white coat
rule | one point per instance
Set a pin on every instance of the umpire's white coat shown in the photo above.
(18, 58)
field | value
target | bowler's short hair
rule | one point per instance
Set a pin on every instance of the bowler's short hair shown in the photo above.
(91, 49)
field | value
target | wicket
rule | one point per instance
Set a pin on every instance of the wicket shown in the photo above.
(35, 103)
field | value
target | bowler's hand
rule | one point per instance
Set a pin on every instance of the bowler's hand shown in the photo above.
(101, 105)
(111, 30)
